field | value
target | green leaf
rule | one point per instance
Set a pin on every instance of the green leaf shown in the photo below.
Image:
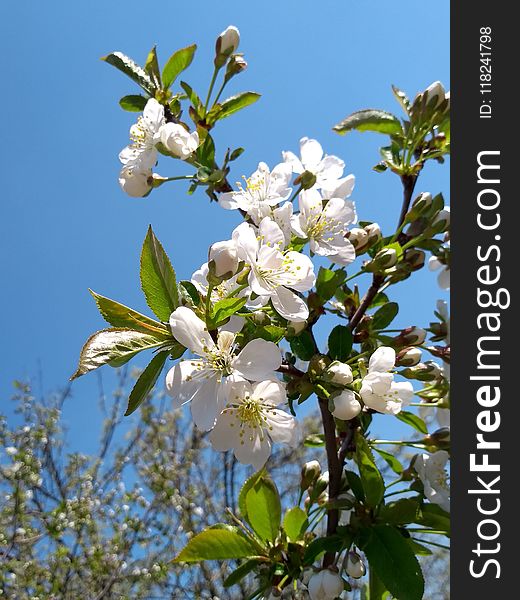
(270, 333)
(355, 484)
(400, 512)
(373, 483)
(302, 345)
(119, 315)
(217, 543)
(177, 63)
(413, 420)
(113, 347)
(340, 343)
(314, 440)
(146, 381)
(264, 509)
(158, 278)
(188, 290)
(432, 515)
(133, 103)
(196, 102)
(236, 103)
(328, 282)
(223, 309)
(248, 484)
(419, 548)
(379, 121)
(391, 460)
(240, 572)
(402, 98)
(151, 66)
(332, 543)
(295, 522)
(130, 68)
(385, 315)
(394, 562)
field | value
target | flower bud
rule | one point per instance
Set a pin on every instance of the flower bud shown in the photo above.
(374, 233)
(325, 585)
(443, 217)
(306, 180)
(355, 567)
(435, 90)
(296, 327)
(384, 259)
(414, 258)
(421, 205)
(224, 257)
(408, 357)
(339, 373)
(310, 472)
(346, 406)
(227, 43)
(441, 435)
(358, 238)
(178, 141)
(321, 484)
(236, 65)
(411, 336)
(427, 371)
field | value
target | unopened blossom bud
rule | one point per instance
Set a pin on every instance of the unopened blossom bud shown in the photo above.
(411, 336)
(373, 232)
(441, 435)
(346, 406)
(236, 65)
(323, 498)
(339, 373)
(295, 327)
(177, 140)
(443, 218)
(310, 472)
(227, 43)
(427, 371)
(355, 567)
(408, 357)
(447, 97)
(421, 205)
(136, 183)
(358, 238)
(435, 90)
(325, 585)
(306, 180)
(321, 483)
(384, 259)
(224, 257)
(260, 318)
(415, 258)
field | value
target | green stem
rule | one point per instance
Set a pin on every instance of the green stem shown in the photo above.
(180, 177)
(295, 195)
(219, 93)
(211, 86)
(355, 275)
(421, 541)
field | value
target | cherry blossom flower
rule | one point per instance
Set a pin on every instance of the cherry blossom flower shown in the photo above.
(177, 140)
(325, 585)
(327, 169)
(275, 274)
(379, 391)
(206, 381)
(346, 405)
(250, 422)
(263, 190)
(431, 469)
(325, 227)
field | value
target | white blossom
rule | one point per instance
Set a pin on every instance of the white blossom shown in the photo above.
(346, 405)
(379, 391)
(327, 169)
(340, 373)
(431, 469)
(325, 585)
(177, 140)
(228, 40)
(275, 274)
(251, 421)
(325, 226)
(225, 257)
(205, 381)
(263, 190)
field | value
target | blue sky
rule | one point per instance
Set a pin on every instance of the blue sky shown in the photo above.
(66, 226)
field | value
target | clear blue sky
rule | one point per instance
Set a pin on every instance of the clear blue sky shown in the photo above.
(66, 226)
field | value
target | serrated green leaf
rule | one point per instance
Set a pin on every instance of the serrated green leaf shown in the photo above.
(391, 460)
(236, 103)
(158, 278)
(270, 333)
(217, 543)
(264, 509)
(333, 543)
(131, 69)
(119, 315)
(114, 347)
(240, 572)
(302, 345)
(379, 121)
(133, 103)
(177, 63)
(192, 97)
(402, 98)
(340, 343)
(295, 522)
(418, 548)
(190, 291)
(225, 308)
(248, 484)
(400, 512)
(356, 485)
(151, 67)
(432, 515)
(328, 282)
(394, 562)
(371, 478)
(413, 420)
(382, 318)
(146, 381)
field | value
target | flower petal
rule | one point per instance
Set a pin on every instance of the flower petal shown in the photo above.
(288, 305)
(382, 360)
(190, 331)
(258, 360)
